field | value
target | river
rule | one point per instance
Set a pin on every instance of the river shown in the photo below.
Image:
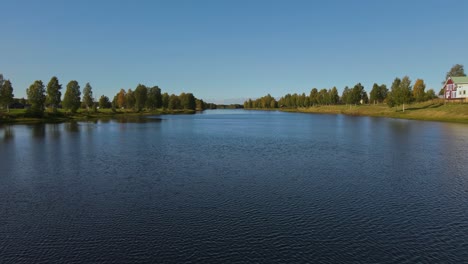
(235, 186)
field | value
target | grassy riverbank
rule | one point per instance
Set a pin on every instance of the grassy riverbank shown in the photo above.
(435, 110)
(21, 116)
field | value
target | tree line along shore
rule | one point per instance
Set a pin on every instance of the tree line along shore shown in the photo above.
(402, 100)
(45, 103)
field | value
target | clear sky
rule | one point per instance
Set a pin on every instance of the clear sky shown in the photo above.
(230, 49)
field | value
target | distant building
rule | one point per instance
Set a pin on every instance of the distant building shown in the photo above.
(16, 105)
(456, 88)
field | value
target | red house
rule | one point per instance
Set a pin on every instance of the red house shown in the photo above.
(456, 88)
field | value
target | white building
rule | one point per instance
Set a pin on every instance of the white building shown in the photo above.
(456, 88)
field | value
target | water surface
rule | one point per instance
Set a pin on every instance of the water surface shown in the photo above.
(235, 186)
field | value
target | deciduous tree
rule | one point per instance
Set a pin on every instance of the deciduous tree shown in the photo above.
(121, 98)
(72, 97)
(53, 97)
(130, 99)
(154, 98)
(401, 92)
(36, 97)
(141, 94)
(104, 102)
(6, 94)
(419, 93)
(334, 97)
(88, 99)
(165, 100)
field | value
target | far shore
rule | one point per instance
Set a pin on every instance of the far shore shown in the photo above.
(435, 110)
(21, 116)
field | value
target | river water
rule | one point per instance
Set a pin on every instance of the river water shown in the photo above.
(235, 186)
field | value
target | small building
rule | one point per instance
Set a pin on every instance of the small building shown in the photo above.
(16, 105)
(456, 88)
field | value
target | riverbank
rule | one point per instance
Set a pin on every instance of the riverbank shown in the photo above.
(21, 116)
(435, 110)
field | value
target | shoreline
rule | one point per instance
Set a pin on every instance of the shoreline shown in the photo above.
(20, 117)
(426, 111)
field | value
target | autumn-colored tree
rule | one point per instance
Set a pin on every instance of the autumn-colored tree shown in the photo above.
(419, 93)
(121, 96)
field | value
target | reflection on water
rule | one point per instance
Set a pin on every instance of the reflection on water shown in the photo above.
(72, 127)
(234, 186)
(8, 133)
(38, 130)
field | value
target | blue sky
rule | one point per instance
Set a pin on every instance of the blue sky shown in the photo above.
(233, 49)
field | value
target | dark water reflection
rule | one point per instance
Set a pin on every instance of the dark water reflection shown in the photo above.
(235, 186)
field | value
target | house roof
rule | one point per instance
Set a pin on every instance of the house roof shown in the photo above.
(460, 79)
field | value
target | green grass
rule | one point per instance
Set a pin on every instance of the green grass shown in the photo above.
(22, 116)
(435, 110)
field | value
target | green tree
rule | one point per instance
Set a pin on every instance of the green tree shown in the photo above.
(154, 99)
(165, 100)
(313, 97)
(322, 97)
(374, 94)
(72, 97)
(401, 92)
(334, 97)
(130, 99)
(457, 70)
(430, 94)
(36, 97)
(357, 94)
(53, 97)
(104, 102)
(419, 93)
(200, 105)
(364, 98)
(187, 101)
(174, 102)
(141, 94)
(6, 94)
(345, 96)
(88, 99)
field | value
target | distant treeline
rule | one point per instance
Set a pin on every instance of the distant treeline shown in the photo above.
(40, 97)
(230, 106)
(401, 92)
